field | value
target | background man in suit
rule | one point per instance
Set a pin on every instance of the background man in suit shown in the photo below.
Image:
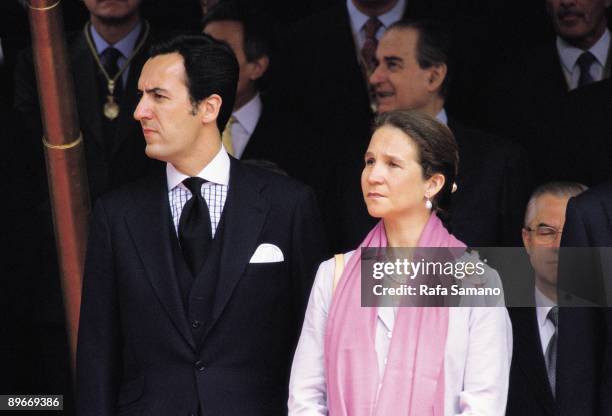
(116, 39)
(196, 277)
(521, 101)
(582, 131)
(106, 59)
(324, 61)
(413, 73)
(245, 36)
(256, 129)
(584, 361)
(533, 370)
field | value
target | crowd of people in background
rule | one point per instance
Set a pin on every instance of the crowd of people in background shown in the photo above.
(524, 88)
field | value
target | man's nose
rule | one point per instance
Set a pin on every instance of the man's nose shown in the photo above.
(375, 77)
(141, 110)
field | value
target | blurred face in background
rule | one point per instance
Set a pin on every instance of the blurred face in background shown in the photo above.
(542, 238)
(579, 22)
(398, 80)
(232, 33)
(113, 11)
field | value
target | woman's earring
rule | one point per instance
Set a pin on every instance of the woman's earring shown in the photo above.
(428, 203)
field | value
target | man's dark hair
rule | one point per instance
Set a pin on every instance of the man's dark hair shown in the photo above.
(257, 29)
(433, 46)
(257, 41)
(210, 68)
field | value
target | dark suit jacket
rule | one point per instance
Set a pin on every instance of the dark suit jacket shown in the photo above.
(282, 139)
(111, 161)
(137, 351)
(487, 209)
(581, 133)
(584, 361)
(529, 392)
(523, 102)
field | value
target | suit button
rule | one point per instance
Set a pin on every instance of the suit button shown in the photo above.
(199, 365)
(195, 324)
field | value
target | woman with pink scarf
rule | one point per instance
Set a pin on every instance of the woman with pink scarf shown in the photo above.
(409, 361)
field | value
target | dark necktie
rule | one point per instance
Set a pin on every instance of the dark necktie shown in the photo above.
(368, 50)
(195, 234)
(585, 62)
(551, 349)
(109, 59)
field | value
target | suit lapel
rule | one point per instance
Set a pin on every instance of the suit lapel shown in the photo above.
(126, 123)
(87, 95)
(149, 226)
(529, 355)
(256, 145)
(244, 215)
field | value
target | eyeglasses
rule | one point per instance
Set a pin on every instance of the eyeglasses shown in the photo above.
(544, 234)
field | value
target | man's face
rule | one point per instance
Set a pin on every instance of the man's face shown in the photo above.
(232, 33)
(579, 22)
(543, 237)
(170, 122)
(399, 81)
(112, 10)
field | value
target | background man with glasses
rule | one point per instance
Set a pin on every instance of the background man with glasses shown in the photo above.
(533, 372)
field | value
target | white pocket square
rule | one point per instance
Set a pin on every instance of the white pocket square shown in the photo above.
(267, 253)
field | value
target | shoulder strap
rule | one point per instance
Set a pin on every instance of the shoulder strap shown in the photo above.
(338, 270)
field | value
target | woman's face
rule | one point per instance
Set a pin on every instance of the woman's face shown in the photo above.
(392, 179)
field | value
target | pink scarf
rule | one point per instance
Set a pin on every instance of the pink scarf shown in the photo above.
(413, 381)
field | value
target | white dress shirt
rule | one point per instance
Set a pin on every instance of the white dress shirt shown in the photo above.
(569, 55)
(359, 19)
(476, 361)
(125, 46)
(246, 119)
(545, 327)
(214, 191)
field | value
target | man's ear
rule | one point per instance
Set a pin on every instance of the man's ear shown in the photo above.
(209, 108)
(258, 67)
(437, 75)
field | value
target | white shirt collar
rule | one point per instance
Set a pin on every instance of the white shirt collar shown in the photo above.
(569, 54)
(544, 305)
(248, 115)
(217, 171)
(125, 45)
(442, 117)
(358, 19)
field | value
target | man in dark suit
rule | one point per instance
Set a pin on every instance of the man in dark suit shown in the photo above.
(522, 98)
(256, 129)
(582, 131)
(196, 277)
(492, 182)
(323, 62)
(532, 374)
(105, 58)
(584, 364)
(116, 39)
